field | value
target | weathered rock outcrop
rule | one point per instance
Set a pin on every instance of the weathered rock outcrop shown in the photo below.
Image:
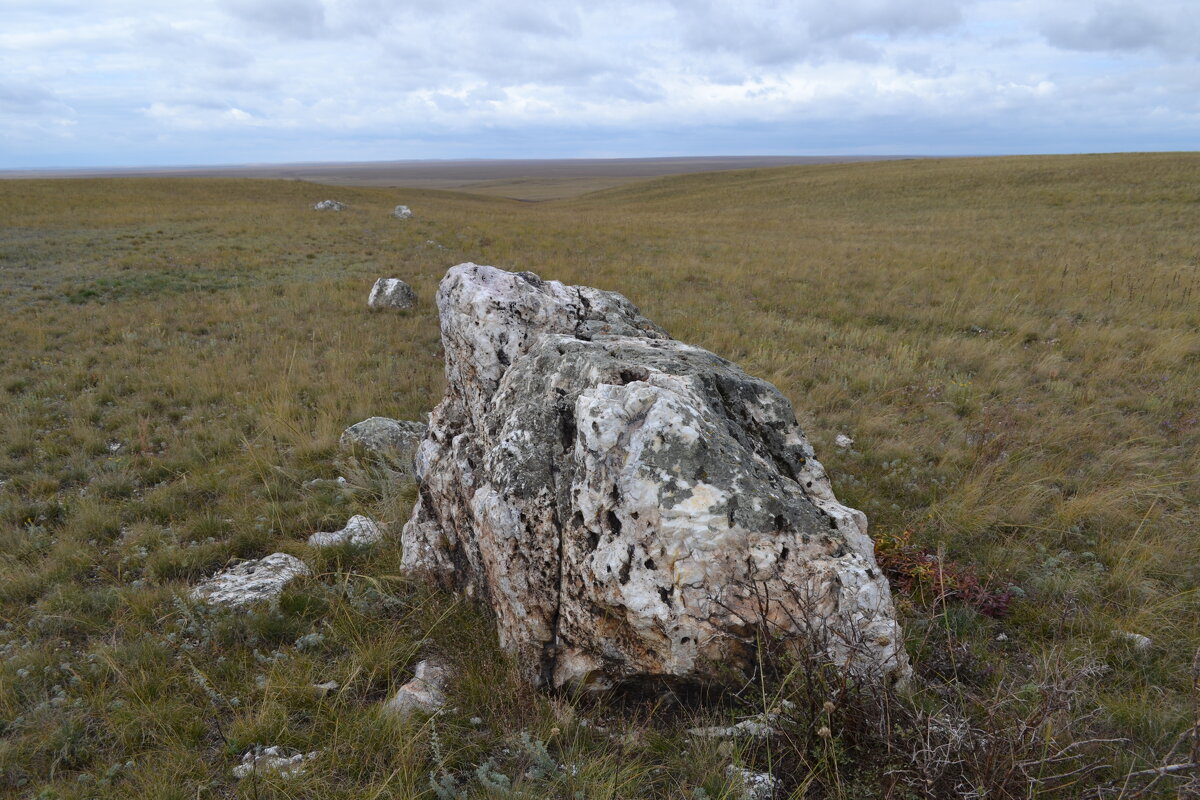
(632, 507)
(391, 293)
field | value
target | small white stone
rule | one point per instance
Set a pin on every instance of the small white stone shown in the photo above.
(1002, 637)
(843, 441)
(424, 693)
(360, 531)
(402, 212)
(760, 726)
(251, 581)
(1140, 643)
(272, 759)
(392, 440)
(754, 785)
(327, 687)
(329, 205)
(391, 293)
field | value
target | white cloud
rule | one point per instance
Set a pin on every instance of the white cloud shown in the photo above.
(346, 79)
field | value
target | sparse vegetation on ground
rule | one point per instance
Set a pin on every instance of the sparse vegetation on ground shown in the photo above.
(1013, 344)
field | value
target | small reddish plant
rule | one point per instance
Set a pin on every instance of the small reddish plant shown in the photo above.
(933, 579)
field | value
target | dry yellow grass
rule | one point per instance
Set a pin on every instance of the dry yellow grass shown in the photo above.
(1013, 343)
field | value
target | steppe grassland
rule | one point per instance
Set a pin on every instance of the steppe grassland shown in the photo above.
(1012, 343)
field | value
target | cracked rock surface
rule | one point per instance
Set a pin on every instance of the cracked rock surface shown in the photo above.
(633, 508)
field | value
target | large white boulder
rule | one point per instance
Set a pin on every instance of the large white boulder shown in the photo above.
(402, 212)
(633, 508)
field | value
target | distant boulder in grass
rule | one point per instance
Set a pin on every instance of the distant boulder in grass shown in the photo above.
(393, 440)
(391, 293)
(402, 212)
(329, 205)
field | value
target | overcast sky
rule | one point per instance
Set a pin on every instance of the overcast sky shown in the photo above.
(161, 82)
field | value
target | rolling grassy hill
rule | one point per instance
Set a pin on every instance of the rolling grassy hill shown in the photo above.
(1013, 344)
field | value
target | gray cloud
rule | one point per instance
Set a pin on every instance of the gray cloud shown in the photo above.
(778, 32)
(301, 19)
(1127, 27)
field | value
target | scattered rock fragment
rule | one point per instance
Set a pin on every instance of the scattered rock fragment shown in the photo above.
(272, 759)
(759, 726)
(1142, 644)
(339, 482)
(391, 293)
(843, 441)
(325, 688)
(394, 440)
(626, 502)
(402, 212)
(754, 785)
(360, 531)
(329, 205)
(425, 693)
(251, 582)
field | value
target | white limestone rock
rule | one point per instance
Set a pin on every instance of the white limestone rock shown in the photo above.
(360, 531)
(250, 582)
(425, 693)
(843, 442)
(753, 785)
(391, 293)
(402, 212)
(1140, 643)
(273, 760)
(632, 508)
(392, 440)
(759, 726)
(329, 205)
